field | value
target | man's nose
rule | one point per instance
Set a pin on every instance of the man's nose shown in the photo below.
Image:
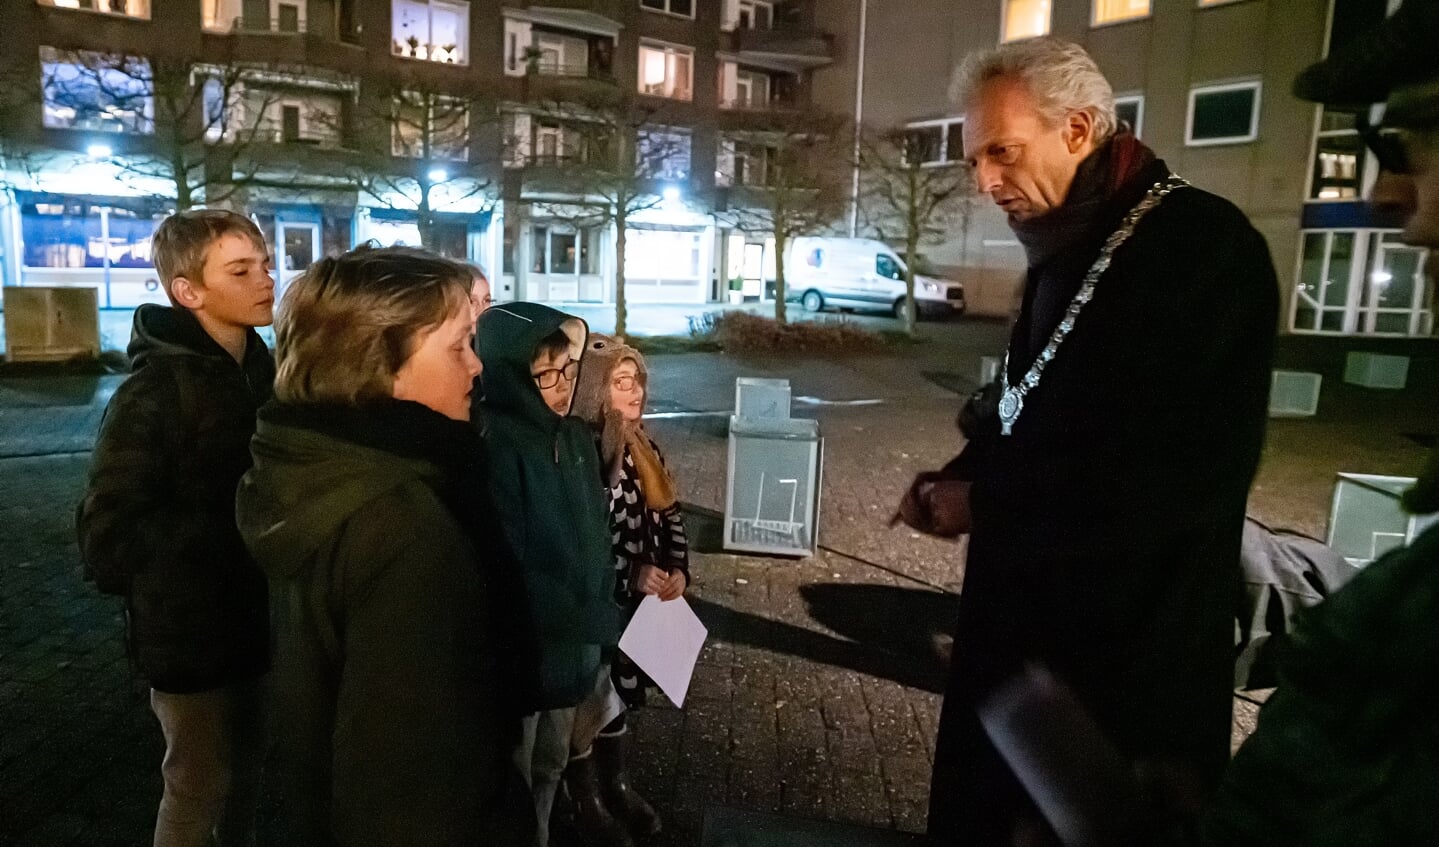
(986, 177)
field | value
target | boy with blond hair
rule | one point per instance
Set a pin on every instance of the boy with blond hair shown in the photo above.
(157, 524)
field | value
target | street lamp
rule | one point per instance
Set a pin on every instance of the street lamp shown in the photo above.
(671, 194)
(438, 174)
(99, 151)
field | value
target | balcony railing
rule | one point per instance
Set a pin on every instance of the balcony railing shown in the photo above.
(567, 70)
(263, 24)
(760, 104)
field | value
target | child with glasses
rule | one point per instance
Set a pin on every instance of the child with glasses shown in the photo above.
(546, 486)
(650, 551)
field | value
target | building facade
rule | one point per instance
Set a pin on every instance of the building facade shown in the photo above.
(1206, 83)
(468, 125)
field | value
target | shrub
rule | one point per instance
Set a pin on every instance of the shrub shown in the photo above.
(741, 332)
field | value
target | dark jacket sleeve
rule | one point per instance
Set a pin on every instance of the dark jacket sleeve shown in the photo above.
(132, 519)
(1345, 751)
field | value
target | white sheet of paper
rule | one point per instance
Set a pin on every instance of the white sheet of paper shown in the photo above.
(664, 638)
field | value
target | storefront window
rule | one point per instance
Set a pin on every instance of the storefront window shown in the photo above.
(84, 235)
(562, 259)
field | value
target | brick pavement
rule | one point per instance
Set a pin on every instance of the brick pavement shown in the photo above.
(816, 695)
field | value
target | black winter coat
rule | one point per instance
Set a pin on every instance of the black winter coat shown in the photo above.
(1106, 529)
(157, 523)
(392, 714)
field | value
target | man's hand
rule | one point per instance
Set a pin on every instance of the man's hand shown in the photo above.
(936, 506)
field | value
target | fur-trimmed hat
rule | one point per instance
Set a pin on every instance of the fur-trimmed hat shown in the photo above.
(603, 353)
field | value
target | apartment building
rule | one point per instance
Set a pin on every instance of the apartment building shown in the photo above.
(1206, 84)
(334, 122)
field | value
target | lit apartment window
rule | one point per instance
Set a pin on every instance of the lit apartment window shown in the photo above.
(1114, 11)
(282, 16)
(754, 14)
(683, 8)
(124, 8)
(1362, 282)
(1025, 19)
(666, 71)
(1339, 154)
(935, 143)
(437, 30)
(425, 126)
(95, 91)
(664, 154)
(1223, 114)
(1130, 112)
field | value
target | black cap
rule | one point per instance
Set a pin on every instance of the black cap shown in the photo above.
(1404, 50)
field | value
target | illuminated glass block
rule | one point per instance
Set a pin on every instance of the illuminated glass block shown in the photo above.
(1366, 520)
(772, 496)
(756, 397)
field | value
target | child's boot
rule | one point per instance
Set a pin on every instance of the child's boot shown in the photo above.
(621, 797)
(592, 821)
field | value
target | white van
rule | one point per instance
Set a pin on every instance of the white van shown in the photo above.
(861, 273)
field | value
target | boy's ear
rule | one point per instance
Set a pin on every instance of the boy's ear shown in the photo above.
(187, 293)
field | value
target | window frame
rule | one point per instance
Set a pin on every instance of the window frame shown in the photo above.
(144, 123)
(1096, 23)
(947, 126)
(463, 49)
(1367, 165)
(668, 50)
(1004, 24)
(1196, 91)
(148, 15)
(755, 5)
(1359, 313)
(667, 11)
(1138, 127)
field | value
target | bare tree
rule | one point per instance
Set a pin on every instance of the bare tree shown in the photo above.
(614, 155)
(200, 128)
(791, 179)
(415, 150)
(905, 197)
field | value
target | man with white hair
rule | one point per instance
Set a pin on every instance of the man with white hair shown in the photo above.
(1104, 479)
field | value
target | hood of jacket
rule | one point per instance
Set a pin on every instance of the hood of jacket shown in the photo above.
(507, 336)
(305, 484)
(172, 331)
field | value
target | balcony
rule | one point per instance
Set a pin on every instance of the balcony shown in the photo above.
(755, 115)
(287, 39)
(572, 81)
(787, 46)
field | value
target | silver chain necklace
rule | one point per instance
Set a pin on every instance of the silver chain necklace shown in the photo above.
(1011, 401)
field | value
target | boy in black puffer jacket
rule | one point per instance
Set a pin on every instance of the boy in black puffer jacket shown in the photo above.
(157, 524)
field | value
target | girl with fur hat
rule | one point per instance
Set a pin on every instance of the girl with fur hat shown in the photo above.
(651, 551)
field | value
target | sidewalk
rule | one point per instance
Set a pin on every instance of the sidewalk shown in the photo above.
(817, 694)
